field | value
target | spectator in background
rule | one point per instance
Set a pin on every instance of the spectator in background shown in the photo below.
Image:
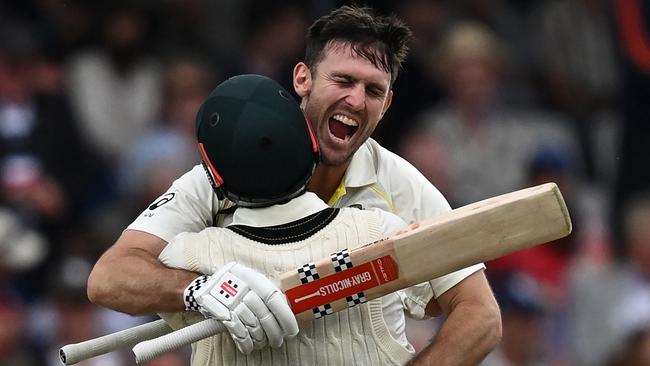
(417, 88)
(20, 250)
(633, 18)
(511, 22)
(46, 169)
(636, 350)
(550, 264)
(168, 149)
(61, 29)
(14, 350)
(577, 61)
(116, 88)
(181, 26)
(611, 301)
(472, 146)
(165, 152)
(275, 42)
(522, 311)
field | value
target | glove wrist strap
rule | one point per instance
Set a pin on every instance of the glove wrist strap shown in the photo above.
(190, 290)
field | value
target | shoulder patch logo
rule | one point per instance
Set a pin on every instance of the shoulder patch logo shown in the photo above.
(162, 200)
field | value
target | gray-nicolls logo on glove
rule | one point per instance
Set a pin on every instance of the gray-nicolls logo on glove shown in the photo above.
(228, 288)
(254, 310)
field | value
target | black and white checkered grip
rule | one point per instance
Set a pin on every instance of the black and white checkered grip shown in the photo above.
(307, 273)
(341, 260)
(322, 310)
(356, 299)
(188, 294)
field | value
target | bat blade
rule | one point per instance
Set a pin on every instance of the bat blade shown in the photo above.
(443, 244)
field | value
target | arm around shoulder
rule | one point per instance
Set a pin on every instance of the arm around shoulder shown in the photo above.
(129, 277)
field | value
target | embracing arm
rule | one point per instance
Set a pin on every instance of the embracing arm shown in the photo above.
(472, 328)
(130, 278)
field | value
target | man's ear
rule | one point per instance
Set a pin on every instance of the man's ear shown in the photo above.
(302, 79)
(387, 102)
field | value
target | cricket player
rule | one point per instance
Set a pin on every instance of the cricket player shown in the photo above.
(351, 62)
(259, 152)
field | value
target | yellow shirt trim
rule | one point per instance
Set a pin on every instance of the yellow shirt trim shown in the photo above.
(341, 191)
(385, 197)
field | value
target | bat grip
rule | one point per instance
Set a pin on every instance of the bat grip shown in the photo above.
(147, 350)
(77, 352)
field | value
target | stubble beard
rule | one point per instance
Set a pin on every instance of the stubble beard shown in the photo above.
(327, 161)
(313, 115)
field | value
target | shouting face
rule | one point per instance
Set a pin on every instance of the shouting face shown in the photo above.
(344, 96)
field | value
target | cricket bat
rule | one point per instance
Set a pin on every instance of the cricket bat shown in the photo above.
(443, 244)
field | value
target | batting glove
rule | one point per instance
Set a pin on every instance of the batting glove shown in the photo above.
(254, 311)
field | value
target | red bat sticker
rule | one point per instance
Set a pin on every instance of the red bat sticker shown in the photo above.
(341, 284)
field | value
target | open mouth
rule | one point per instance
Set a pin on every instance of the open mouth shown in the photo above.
(343, 127)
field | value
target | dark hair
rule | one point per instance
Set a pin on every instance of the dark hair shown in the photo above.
(366, 33)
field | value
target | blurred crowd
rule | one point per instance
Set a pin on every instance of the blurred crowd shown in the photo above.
(97, 107)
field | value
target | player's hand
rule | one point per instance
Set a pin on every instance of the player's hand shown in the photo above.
(249, 305)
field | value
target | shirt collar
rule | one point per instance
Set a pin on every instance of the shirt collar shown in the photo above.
(299, 207)
(361, 171)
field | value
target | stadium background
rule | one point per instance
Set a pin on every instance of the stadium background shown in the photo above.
(97, 103)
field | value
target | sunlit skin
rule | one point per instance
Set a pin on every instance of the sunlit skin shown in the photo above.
(346, 84)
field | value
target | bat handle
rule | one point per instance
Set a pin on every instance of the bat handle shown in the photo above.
(147, 350)
(77, 352)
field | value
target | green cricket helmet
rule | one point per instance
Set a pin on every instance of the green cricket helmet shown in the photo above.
(256, 146)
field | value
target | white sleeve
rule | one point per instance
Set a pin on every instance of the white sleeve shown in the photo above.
(191, 251)
(388, 222)
(173, 255)
(188, 206)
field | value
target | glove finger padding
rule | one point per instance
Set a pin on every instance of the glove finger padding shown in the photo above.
(273, 330)
(271, 296)
(278, 304)
(239, 334)
(252, 324)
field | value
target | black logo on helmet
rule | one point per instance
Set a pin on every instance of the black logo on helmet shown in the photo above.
(214, 119)
(162, 200)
